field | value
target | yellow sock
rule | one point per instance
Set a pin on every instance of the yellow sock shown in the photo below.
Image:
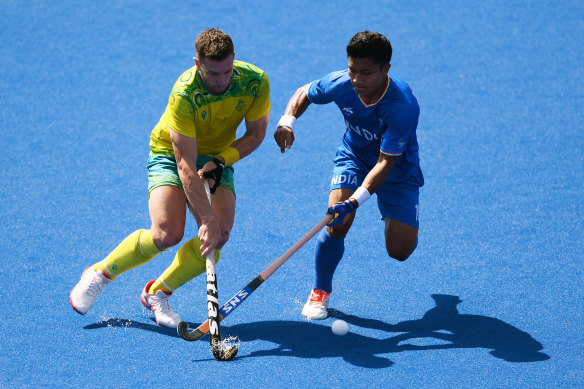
(187, 264)
(137, 249)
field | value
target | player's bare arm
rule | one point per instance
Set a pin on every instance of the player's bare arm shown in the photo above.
(185, 151)
(297, 105)
(247, 144)
(255, 132)
(379, 174)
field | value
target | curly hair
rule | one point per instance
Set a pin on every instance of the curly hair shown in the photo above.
(214, 44)
(367, 44)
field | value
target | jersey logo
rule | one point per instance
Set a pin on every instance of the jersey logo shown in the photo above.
(240, 105)
(198, 99)
(363, 132)
(203, 114)
(348, 110)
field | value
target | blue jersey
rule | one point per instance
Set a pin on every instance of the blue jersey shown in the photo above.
(387, 126)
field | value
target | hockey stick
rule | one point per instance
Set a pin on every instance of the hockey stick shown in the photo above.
(213, 305)
(239, 297)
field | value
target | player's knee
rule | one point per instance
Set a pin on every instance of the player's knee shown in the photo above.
(165, 238)
(224, 238)
(338, 231)
(400, 253)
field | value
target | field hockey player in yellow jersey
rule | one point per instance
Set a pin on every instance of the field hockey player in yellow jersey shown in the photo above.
(194, 140)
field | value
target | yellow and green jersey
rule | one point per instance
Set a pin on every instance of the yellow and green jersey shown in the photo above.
(195, 112)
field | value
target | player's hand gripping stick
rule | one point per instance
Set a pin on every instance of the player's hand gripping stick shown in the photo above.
(340, 210)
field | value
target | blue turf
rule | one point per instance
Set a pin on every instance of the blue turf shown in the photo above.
(493, 295)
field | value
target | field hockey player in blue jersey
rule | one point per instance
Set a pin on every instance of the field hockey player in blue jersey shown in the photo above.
(378, 154)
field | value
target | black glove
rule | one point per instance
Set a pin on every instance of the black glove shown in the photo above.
(215, 174)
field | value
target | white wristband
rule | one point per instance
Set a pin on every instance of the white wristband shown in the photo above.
(288, 121)
(361, 195)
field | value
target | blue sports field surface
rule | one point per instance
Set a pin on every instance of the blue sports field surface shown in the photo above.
(493, 295)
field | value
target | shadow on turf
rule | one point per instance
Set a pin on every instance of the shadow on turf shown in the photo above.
(441, 327)
(445, 324)
(125, 323)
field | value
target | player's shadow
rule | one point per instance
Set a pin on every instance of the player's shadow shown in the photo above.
(441, 327)
(452, 329)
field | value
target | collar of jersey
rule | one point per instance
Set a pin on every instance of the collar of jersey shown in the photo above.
(380, 98)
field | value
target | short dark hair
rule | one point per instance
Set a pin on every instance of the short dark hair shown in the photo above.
(214, 44)
(367, 44)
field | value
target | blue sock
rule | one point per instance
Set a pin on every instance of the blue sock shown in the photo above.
(328, 254)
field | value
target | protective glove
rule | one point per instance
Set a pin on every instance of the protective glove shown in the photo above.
(340, 210)
(215, 174)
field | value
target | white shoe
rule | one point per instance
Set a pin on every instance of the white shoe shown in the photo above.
(158, 303)
(315, 307)
(84, 293)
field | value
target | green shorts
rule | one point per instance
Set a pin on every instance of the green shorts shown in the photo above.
(162, 170)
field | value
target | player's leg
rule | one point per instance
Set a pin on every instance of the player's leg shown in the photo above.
(398, 205)
(139, 247)
(401, 239)
(330, 245)
(167, 208)
(189, 262)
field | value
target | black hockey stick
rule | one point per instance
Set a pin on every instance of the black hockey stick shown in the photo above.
(213, 306)
(229, 306)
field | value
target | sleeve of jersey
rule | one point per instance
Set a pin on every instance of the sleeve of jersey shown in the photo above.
(261, 105)
(319, 91)
(180, 115)
(400, 128)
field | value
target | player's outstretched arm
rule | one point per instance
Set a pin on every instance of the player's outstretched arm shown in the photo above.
(298, 103)
(185, 152)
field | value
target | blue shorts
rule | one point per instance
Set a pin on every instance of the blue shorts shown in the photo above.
(395, 201)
